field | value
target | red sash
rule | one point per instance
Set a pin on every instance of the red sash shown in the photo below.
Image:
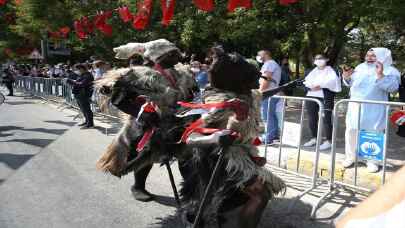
(166, 74)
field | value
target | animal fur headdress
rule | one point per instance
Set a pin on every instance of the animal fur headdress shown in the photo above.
(151, 50)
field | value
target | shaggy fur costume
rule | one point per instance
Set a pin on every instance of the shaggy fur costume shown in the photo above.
(122, 87)
(238, 171)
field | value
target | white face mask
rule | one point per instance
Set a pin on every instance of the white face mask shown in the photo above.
(195, 69)
(259, 59)
(320, 62)
(77, 72)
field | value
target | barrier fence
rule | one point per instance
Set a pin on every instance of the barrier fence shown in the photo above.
(55, 88)
(330, 182)
(333, 184)
(315, 175)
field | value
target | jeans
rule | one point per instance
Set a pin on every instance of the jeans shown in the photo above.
(271, 118)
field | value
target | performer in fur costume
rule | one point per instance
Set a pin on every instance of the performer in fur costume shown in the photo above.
(230, 126)
(149, 96)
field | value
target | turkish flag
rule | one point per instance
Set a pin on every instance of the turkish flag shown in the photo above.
(2, 2)
(80, 33)
(101, 24)
(125, 14)
(88, 26)
(168, 11)
(233, 4)
(287, 2)
(55, 35)
(206, 5)
(64, 31)
(142, 17)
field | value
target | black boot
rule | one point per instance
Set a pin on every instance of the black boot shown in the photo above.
(138, 189)
(82, 124)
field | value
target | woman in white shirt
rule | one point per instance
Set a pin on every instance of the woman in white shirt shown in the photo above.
(322, 84)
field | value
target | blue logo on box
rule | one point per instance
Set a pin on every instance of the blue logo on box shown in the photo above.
(371, 145)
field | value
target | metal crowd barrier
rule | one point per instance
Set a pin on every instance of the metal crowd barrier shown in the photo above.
(51, 88)
(333, 184)
(315, 175)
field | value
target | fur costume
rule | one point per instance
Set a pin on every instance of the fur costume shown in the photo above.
(123, 87)
(239, 171)
(239, 168)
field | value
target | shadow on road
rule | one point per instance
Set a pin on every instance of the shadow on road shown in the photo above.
(14, 161)
(165, 200)
(17, 102)
(33, 142)
(66, 123)
(276, 215)
(42, 130)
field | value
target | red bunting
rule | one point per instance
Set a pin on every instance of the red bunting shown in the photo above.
(168, 11)
(206, 5)
(101, 24)
(142, 17)
(125, 14)
(87, 24)
(79, 29)
(287, 2)
(233, 4)
(54, 35)
(64, 32)
(3, 2)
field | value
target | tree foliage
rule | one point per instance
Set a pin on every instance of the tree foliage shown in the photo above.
(342, 30)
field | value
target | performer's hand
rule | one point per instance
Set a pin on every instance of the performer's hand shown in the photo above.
(380, 70)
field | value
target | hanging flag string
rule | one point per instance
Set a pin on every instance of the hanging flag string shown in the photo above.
(85, 26)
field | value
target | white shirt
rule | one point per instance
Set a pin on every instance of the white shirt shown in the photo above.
(326, 78)
(275, 69)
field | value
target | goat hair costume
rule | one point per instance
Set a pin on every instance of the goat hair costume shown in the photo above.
(127, 89)
(239, 169)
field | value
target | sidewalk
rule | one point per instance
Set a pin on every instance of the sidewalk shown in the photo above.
(396, 153)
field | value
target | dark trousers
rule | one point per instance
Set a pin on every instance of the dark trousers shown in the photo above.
(140, 177)
(9, 86)
(84, 105)
(313, 117)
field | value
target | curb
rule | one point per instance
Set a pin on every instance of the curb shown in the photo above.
(365, 179)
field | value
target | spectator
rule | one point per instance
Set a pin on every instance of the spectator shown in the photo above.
(271, 75)
(83, 90)
(8, 80)
(322, 83)
(98, 69)
(372, 80)
(286, 75)
(200, 75)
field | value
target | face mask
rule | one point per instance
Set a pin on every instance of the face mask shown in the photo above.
(77, 72)
(259, 59)
(195, 69)
(320, 62)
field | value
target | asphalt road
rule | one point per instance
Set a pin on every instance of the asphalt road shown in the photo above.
(48, 178)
